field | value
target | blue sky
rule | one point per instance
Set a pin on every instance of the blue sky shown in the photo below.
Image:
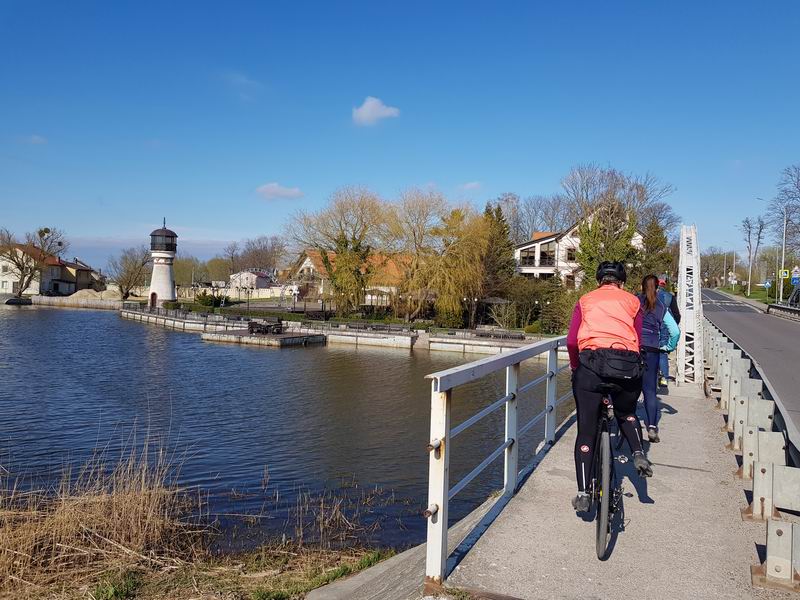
(115, 114)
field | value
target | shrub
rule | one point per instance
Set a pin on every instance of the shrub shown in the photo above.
(171, 305)
(206, 299)
(535, 327)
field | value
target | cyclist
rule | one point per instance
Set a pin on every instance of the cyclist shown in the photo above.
(655, 319)
(669, 301)
(603, 344)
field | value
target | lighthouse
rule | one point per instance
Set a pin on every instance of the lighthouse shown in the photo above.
(163, 246)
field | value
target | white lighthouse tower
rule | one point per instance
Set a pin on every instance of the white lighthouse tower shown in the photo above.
(163, 246)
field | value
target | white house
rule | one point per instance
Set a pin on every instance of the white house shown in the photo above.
(251, 280)
(554, 254)
(56, 278)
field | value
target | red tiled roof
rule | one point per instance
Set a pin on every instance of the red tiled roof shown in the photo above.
(35, 253)
(386, 270)
(540, 235)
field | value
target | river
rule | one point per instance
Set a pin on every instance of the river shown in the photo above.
(250, 427)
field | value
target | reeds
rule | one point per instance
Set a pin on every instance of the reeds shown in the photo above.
(105, 518)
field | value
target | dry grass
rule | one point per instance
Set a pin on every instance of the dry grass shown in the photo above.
(126, 530)
(102, 519)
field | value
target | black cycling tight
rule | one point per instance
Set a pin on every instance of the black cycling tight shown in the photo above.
(588, 402)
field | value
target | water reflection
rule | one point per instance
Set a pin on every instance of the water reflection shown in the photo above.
(73, 380)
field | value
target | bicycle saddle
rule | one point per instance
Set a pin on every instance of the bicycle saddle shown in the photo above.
(606, 388)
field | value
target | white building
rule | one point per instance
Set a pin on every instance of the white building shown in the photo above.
(55, 277)
(554, 254)
(251, 279)
(163, 246)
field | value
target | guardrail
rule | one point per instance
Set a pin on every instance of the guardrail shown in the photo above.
(784, 310)
(442, 385)
(768, 441)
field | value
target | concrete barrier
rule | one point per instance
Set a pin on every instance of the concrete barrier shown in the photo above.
(760, 446)
(781, 570)
(774, 487)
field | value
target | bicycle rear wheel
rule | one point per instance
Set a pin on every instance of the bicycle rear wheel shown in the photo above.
(603, 470)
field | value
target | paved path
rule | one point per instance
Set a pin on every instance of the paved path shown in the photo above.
(773, 342)
(683, 536)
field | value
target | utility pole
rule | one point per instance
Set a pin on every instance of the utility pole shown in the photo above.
(724, 268)
(734, 268)
(783, 248)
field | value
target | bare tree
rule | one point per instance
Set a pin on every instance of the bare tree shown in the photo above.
(557, 212)
(531, 215)
(231, 254)
(263, 252)
(27, 260)
(352, 213)
(129, 270)
(786, 204)
(588, 186)
(753, 232)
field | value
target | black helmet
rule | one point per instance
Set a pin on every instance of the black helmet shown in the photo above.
(608, 269)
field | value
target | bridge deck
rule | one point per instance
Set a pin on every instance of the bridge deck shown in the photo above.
(683, 535)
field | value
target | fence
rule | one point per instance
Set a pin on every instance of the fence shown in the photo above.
(442, 385)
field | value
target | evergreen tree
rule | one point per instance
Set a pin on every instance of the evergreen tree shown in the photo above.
(656, 258)
(499, 264)
(606, 236)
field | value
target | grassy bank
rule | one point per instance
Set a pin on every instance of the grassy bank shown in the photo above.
(128, 530)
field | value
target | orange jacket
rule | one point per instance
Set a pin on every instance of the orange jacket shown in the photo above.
(608, 319)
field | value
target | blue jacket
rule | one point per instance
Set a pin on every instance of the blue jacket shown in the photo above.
(652, 321)
(673, 333)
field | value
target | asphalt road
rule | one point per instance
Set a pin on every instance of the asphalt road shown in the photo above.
(772, 341)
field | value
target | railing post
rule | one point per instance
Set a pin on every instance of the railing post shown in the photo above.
(512, 452)
(438, 489)
(550, 397)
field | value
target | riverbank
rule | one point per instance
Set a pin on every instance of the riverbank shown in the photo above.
(129, 531)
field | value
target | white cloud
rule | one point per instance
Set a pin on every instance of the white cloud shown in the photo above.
(275, 191)
(245, 87)
(35, 140)
(470, 185)
(373, 110)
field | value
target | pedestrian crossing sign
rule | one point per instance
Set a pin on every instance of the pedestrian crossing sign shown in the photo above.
(785, 274)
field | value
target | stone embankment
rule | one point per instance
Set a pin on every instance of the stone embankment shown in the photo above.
(76, 302)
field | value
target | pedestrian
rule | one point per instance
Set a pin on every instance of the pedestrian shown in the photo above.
(671, 303)
(655, 315)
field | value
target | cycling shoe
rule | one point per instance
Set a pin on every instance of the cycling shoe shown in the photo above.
(643, 466)
(581, 502)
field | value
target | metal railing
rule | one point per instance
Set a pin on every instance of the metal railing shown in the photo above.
(442, 385)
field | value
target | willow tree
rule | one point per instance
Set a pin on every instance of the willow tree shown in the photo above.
(409, 235)
(456, 270)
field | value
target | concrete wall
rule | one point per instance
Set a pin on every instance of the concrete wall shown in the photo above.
(70, 302)
(479, 346)
(356, 338)
(181, 324)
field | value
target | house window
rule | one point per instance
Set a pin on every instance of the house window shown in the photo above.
(4, 285)
(5, 269)
(572, 255)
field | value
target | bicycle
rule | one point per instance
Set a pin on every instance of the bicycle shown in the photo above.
(606, 490)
